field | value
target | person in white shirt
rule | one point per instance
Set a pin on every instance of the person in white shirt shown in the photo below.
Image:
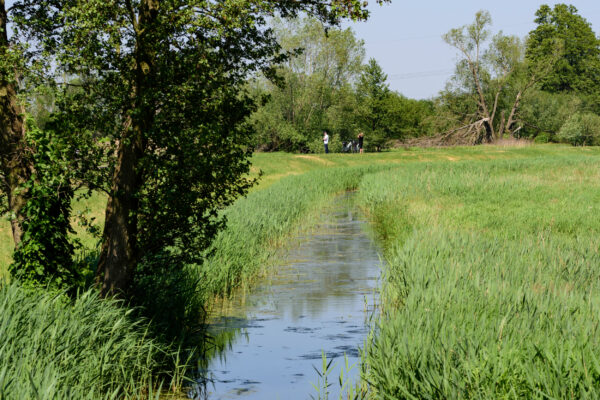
(326, 141)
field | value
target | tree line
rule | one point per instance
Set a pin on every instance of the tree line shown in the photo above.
(543, 87)
(328, 85)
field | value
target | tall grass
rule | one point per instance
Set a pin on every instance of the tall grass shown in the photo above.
(492, 281)
(89, 349)
(293, 187)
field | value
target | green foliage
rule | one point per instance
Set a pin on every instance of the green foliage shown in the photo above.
(316, 146)
(581, 129)
(53, 348)
(542, 138)
(327, 87)
(490, 77)
(578, 69)
(544, 113)
(373, 111)
(45, 253)
(314, 93)
(143, 70)
(490, 287)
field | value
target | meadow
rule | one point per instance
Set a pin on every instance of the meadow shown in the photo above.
(489, 289)
(491, 284)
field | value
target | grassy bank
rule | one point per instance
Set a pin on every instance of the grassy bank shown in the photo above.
(276, 166)
(491, 287)
(295, 185)
(88, 349)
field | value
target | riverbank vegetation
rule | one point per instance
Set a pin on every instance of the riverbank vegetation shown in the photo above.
(128, 171)
(497, 205)
(57, 348)
(490, 280)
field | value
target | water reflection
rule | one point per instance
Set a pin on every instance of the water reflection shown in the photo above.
(316, 302)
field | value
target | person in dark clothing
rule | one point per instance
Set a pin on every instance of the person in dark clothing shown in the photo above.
(361, 137)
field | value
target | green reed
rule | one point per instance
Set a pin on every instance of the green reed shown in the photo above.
(492, 279)
(55, 348)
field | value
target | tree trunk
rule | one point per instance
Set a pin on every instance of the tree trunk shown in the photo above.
(513, 112)
(483, 109)
(119, 253)
(502, 126)
(16, 167)
(118, 256)
(489, 131)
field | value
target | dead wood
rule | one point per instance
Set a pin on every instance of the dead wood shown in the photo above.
(468, 135)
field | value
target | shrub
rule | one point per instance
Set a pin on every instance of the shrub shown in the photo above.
(544, 112)
(581, 129)
(542, 138)
(335, 144)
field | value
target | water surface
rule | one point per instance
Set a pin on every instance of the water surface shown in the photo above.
(320, 300)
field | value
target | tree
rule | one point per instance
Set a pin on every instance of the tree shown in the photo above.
(578, 68)
(163, 83)
(35, 178)
(497, 76)
(15, 162)
(315, 89)
(372, 94)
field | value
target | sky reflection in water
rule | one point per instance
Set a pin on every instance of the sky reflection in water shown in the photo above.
(316, 302)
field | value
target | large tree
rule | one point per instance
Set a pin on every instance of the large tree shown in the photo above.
(162, 82)
(578, 68)
(15, 161)
(373, 95)
(494, 74)
(314, 92)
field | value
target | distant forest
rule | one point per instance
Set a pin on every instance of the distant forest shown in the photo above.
(544, 87)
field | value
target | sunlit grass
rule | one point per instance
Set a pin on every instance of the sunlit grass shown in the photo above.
(276, 166)
(492, 278)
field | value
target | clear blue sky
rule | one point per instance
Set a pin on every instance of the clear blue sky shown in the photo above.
(405, 36)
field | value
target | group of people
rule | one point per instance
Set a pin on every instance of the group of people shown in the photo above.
(361, 137)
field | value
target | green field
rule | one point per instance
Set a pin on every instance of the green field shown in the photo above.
(491, 284)
(490, 288)
(276, 166)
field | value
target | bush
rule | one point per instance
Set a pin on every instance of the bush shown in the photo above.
(581, 129)
(335, 144)
(544, 112)
(542, 138)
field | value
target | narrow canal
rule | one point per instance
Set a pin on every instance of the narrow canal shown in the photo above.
(319, 300)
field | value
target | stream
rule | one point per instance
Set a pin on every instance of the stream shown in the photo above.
(318, 301)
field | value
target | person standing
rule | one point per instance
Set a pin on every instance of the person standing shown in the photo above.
(361, 137)
(326, 141)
